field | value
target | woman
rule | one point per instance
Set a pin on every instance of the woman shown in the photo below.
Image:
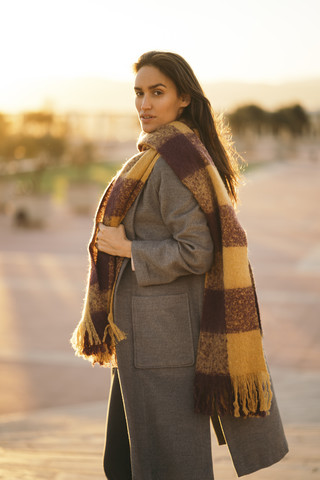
(179, 321)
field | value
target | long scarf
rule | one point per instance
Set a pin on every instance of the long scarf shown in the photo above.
(231, 376)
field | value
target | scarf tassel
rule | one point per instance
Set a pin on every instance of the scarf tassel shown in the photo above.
(86, 342)
(239, 396)
(113, 331)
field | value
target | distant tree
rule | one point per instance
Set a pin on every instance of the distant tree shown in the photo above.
(54, 146)
(249, 117)
(42, 137)
(23, 146)
(37, 123)
(293, 119)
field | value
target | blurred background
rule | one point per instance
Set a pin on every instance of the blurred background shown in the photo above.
(67, 124)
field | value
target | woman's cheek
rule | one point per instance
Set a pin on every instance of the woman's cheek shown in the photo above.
(138, 104)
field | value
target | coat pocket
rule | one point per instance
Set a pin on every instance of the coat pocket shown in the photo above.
(162, 333)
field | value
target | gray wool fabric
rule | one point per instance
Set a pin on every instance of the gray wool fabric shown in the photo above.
(159, 307)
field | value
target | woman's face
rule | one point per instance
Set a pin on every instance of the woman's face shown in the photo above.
(157, 101)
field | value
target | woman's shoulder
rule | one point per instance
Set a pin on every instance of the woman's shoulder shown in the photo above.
(162, 173)
(162, 168)
(164, 180)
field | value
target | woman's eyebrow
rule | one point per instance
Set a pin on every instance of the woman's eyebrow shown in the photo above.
(152, 86)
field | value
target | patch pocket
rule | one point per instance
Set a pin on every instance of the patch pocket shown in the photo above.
(162, 333)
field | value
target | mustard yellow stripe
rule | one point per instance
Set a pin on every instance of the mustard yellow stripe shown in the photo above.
(182, 127)
(142, 169)
(115, 220)
(219, 187)
(245, 353)
(235, 267)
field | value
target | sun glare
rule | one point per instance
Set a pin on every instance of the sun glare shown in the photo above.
(247, 41)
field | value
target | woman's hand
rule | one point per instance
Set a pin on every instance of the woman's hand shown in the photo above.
(113, 240)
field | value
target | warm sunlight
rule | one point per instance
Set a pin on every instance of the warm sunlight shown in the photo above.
(266, 42)
(82, 153)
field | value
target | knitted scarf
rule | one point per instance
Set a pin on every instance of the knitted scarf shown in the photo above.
(231, 376)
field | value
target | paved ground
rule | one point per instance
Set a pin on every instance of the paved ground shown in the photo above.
(53, 405)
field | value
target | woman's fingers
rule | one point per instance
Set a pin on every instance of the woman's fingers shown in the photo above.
(113, 240)
(112, 233)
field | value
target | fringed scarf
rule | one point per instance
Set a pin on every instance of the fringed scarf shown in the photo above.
(231, 375)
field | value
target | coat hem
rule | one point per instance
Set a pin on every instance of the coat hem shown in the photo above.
(247, 471)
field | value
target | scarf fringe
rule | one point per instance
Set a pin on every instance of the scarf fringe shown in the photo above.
(101, 353)
(87, 344)
(241, 396)
(252, 394)
(115, 333)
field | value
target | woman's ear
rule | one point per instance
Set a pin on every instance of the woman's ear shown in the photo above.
(186, 99)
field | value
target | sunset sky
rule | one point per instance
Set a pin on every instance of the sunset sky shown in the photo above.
(253, 41)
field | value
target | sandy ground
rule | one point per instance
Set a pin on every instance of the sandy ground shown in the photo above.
(53, 405)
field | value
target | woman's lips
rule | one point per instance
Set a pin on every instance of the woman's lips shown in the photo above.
(146, 118)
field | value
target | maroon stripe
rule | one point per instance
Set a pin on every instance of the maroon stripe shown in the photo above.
(213, 313)
(213, 353)
(240, 310)
(181, 155)
(122, 196)
(93, 274)
(100, 321)
(233, 234)
(213, 393)
(105, 269)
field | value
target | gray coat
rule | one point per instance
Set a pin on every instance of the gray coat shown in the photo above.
(159, 307)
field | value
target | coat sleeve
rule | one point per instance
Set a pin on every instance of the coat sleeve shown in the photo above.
(189, 248)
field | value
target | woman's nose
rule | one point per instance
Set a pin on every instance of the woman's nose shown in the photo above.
(145, 104)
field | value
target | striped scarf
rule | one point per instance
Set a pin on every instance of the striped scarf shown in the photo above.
(231, 375)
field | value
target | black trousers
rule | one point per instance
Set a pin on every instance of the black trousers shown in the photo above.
(116, 462)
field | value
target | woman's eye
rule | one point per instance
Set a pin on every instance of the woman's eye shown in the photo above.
(157, 92)
(139, 94)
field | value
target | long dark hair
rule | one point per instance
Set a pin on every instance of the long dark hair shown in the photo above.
(198, 114)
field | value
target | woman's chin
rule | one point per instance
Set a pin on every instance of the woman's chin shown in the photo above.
(148, 128)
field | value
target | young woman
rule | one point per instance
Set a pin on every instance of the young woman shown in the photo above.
(171, 302)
